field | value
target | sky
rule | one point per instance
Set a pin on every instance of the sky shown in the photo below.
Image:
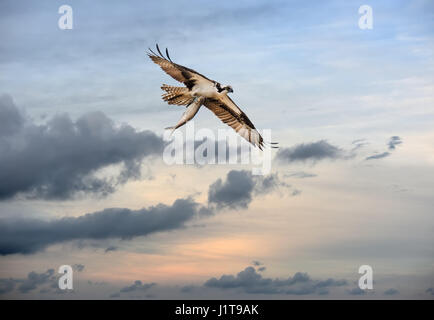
(83, 181)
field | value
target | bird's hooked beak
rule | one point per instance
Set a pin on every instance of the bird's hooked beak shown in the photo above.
(230, 89)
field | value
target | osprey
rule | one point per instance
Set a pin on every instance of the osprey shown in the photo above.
(198, 91)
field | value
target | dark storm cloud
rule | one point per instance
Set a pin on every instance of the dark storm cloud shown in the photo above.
(59, 159)
(31, 235)
(378, 156)
(393, 142)
(314, 151)
(250, 281)
(28, 235)
(237, 191)
(11, 119)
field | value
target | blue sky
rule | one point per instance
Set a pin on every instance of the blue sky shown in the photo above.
(303, 69)
(297, 46)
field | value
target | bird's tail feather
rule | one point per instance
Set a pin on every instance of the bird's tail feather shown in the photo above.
(176, 95)
(173, 89)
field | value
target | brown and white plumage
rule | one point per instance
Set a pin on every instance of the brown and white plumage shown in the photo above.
(224, 110)
(215, 96)
(176, 95)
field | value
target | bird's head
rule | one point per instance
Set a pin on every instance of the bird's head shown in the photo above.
(228, 89)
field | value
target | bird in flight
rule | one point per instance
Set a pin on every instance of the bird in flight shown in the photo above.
(198, 91)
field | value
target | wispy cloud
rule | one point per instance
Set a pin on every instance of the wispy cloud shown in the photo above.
(392, 144)
(378, 156)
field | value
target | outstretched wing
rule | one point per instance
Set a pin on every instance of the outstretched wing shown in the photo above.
(229, 113)
(187, 76)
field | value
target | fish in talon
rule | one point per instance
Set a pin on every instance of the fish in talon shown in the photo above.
(191, 111)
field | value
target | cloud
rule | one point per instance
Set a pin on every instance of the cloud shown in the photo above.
(357, 144)
(260, 266)
(31, 235)
(35, 279)
(378, 156)
(137, 286)
(296, 192)
(237, 191)
(391, 291)
(60, 158)
(300, 175)
(78, 267)
(188, 288)
(314, 151)
(11, 119)
(356, 292)
(110, 248)
(7, 285)
(249, 281)
(393, 142)
(97, 283)
(46, 282)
